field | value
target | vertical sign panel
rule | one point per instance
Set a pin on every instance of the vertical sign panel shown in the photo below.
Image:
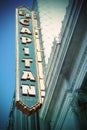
(28, 98)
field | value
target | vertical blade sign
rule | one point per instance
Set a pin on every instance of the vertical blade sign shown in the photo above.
(28, 97)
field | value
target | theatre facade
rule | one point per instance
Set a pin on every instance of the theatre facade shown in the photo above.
(54, 95)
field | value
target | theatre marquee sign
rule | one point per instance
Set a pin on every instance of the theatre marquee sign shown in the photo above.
(28, 98)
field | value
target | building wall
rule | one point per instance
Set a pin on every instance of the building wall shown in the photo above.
(66, 73)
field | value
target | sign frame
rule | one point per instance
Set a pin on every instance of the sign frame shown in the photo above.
(28, 110)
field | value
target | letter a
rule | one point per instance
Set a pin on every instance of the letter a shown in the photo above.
(25, 30)
(27, 75)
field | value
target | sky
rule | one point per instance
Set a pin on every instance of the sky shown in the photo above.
(7, 55)
(51, 14)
